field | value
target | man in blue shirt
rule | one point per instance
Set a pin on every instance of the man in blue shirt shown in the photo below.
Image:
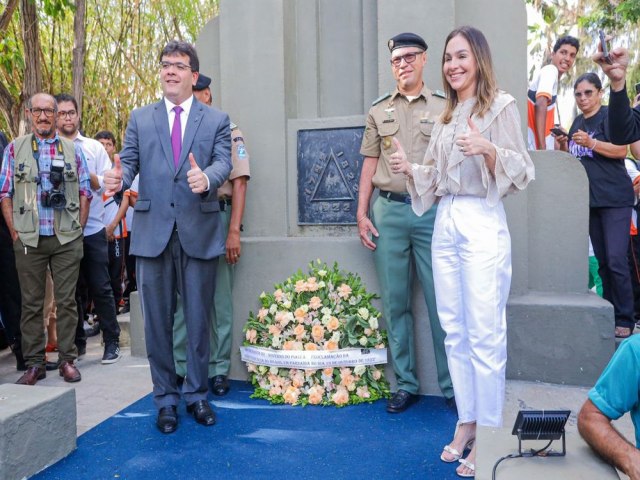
(616, 392)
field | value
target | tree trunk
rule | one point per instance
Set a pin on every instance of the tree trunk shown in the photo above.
(79, 49)
(31, 40)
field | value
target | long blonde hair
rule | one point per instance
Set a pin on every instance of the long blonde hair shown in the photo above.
(486, 86)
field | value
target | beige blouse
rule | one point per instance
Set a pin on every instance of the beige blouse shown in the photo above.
(446, 170)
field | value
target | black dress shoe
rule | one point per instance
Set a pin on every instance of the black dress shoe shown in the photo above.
(219, 385)
(167, 419)
(400, 401)
(202, 412)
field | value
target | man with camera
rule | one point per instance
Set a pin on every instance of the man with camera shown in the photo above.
(44, 195)
(94, 269)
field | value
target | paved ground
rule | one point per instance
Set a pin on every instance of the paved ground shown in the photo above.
(106, 389)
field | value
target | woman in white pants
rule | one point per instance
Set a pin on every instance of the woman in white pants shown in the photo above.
(476, 156)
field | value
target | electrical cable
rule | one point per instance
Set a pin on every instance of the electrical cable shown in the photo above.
(531, 453)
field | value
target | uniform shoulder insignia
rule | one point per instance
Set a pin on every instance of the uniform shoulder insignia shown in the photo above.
(439, 93)
(233, 126)
(381, 98)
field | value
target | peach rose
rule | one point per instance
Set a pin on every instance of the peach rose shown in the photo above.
(252, 368)
(279, 295)
(262, 314)
(363, 392)
(275, 390)
(274, 330)
(310, 346)
(312, 285)
(288, 345)
(300, 286)
(291, 395)
(315, 303)
(328, 371)
(251, 336)
(315, 395)
(344, 291)
(299, 314)
(317, 332)
(299, 331)
(377, 374)
(333, 324)
(298, 380)
(341, 397)
(330, 345)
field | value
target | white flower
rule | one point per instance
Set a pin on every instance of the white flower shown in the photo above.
(305, 308)
(359, 370)
(373, 323)
(287, 304)
(273, 308)
(325, 311)
(326, 318)
(262, 369)
(276, 342)
(263, 295)
(321, 284)
(363, 312)
(363, 341)
(336, 337)
(353, 301)
(273, 370)
(322, 273)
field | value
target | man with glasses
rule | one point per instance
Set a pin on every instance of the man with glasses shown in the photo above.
(393, 232)
(182, 150)
(45, 194)
(94, 269)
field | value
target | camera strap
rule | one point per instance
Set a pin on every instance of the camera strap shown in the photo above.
(36, 151)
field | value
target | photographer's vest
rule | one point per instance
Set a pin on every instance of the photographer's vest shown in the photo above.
(26, 219)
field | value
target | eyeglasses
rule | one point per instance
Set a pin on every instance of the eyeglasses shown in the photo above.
(585, 94)
(69, 114)
(408, 58)
(48, 112)
(179, 65)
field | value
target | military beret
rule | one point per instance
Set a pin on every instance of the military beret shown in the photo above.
(202, 83)
(407, 40)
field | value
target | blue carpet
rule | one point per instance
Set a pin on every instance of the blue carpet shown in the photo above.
(255, 440)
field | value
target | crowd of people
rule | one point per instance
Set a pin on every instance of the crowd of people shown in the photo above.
(441, 161)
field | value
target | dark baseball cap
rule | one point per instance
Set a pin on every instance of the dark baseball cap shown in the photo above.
(202, 83)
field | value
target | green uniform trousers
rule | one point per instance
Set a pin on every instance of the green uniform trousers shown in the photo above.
(403, 234)
(221, 320)
(32, 263)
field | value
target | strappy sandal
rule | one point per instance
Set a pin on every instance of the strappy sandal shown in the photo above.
(454, 453)
(470, 466)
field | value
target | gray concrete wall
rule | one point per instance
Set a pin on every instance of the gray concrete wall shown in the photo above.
(282, 65)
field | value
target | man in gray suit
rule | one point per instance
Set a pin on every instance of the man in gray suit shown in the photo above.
(182, 150)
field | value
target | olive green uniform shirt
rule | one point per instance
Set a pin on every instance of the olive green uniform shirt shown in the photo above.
(410, 122)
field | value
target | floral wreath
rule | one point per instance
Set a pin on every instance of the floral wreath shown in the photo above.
(326, 309)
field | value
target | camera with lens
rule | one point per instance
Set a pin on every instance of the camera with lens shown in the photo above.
(55, 198)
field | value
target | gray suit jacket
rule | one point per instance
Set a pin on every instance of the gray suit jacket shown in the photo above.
(164, 196)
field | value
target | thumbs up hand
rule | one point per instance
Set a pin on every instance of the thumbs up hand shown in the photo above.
(398, 159)
(198, 181)
(113, 178)
(472, 142)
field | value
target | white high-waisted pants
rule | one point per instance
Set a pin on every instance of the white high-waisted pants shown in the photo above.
(471, 253)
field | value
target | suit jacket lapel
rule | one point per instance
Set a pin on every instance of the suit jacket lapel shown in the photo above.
(161, 120)
(193, 122)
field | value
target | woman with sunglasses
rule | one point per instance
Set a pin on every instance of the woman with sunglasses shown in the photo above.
(476, 156)
(611, 196)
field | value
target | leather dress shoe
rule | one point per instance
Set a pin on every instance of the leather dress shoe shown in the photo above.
(219, 385)
(167, 421)
(400, 401)
(69, 372)
(32, 375)
(202, 412)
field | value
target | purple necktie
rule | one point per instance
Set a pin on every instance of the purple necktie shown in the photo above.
(176, 136)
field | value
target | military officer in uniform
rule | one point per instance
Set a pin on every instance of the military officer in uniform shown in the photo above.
(391, 230)
(222, 319)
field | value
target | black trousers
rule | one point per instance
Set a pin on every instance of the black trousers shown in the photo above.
(130, 265)
(116, 266)
(10, 298)
(94, 272)
(609, 232)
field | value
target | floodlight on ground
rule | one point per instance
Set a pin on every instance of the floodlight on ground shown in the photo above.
(541, 425)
